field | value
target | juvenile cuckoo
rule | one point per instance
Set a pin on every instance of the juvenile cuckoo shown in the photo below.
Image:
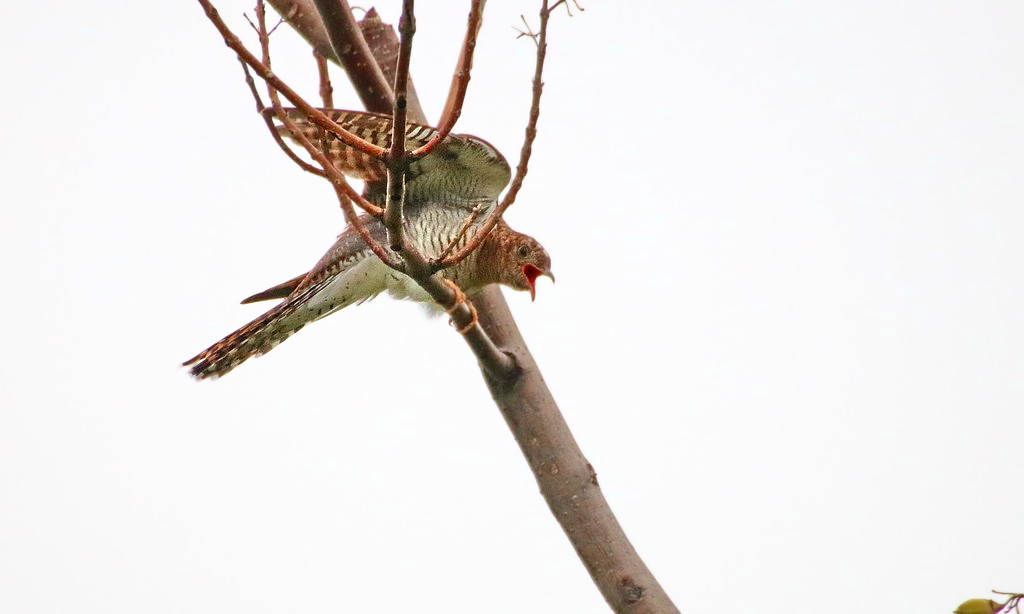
(462, 174)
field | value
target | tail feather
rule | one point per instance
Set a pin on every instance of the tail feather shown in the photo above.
(281, 290)
(346, 275)
(254, 339)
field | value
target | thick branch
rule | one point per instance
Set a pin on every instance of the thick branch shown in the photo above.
(351, 50)
(381, 36)
(567, 481)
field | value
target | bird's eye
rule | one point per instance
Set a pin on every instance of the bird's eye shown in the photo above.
(523, 251)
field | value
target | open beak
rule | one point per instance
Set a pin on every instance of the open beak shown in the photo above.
(531, 273)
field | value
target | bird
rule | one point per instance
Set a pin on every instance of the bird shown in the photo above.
(462, 176)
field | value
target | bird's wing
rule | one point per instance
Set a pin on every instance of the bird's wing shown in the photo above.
(462, 169)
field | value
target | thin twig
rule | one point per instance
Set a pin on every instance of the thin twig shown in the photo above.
(260, 108)
(328, 167)
(276, 25)
(336, 177)
(526, 31)
(524, 155)
(1011, 604)
(314, 114)
(327, 97)
(568, 9)
(460, 81)
(326, 89)
(466, 225)
(355, 221)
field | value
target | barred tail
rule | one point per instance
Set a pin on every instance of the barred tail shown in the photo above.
(346, 275)
(254, 339)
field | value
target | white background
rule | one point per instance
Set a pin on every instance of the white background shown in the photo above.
(787, 330)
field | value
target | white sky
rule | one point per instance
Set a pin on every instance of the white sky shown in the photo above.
(787, 329)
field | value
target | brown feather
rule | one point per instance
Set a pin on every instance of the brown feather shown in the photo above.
(281, 290)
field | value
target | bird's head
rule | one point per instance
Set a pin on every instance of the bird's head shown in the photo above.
(530, 261)
(513, 259)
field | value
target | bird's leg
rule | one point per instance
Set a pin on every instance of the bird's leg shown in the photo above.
(460, 299)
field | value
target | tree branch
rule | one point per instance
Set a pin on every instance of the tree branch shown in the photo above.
(303, 17)
(566, 480)
(351, 50)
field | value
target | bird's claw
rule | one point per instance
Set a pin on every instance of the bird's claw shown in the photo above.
(472, 322)
(460, 299)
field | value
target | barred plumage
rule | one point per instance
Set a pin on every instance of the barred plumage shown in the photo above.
(463, 168)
